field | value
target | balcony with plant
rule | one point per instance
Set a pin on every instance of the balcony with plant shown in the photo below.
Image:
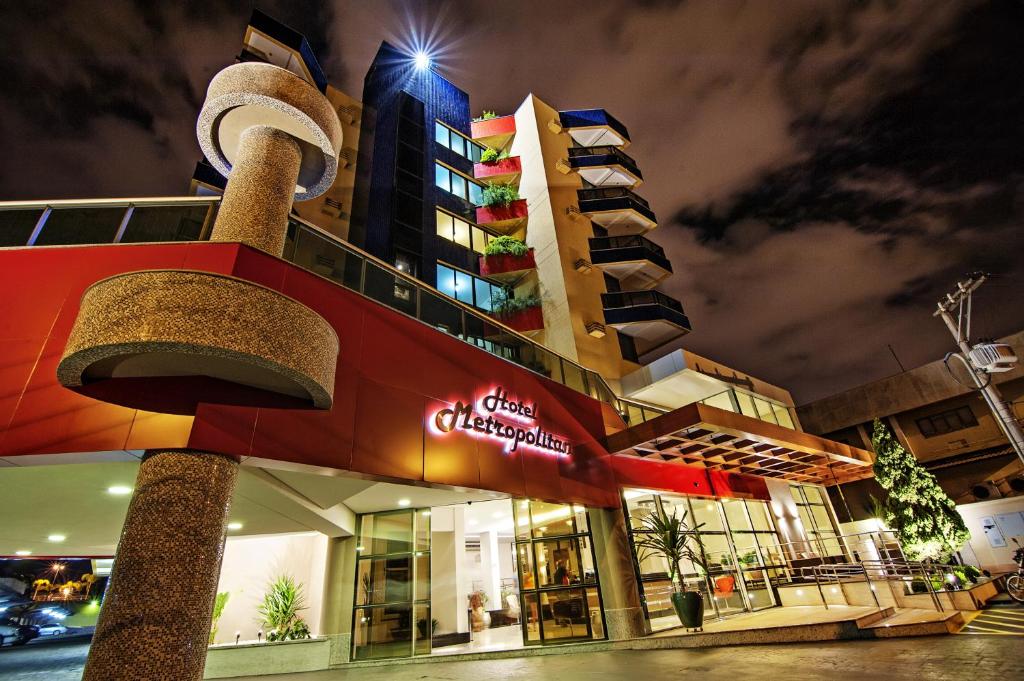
(493, 130)
(502, 208)
(498, 166)
(522, 313)
(506, 258)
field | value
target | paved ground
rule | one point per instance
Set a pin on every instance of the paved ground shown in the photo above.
(953, 658)
(948, 657)
(44, 660)
(1005, 620)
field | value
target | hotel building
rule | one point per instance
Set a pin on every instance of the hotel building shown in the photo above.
(433, 389)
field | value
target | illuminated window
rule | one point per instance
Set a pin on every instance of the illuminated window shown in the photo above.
(461, 232)
(457, 142)
(465, 287)
(456, 184)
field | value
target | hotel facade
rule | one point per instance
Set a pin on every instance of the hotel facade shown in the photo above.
(434, 389)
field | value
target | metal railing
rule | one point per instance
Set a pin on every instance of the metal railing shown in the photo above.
(636, 298)
(598, 243)
(598, 193)
(906, 572)
(180, 219)
(623, 158)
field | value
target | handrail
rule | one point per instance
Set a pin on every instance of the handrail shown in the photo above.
(886, 570)
(602, 150)
(634, 298)
(598, 243)
(594, 384)
(611, 193)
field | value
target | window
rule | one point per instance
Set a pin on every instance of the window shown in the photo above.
(457, 142)
(466, 288)
(816, 518)
(947, 422)
(461, 232)
(459, 185)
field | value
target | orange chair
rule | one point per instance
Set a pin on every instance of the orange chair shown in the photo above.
(724, 586)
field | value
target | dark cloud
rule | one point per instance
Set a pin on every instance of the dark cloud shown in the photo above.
(823, 171)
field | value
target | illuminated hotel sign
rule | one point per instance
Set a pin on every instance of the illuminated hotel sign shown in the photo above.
(498, 417)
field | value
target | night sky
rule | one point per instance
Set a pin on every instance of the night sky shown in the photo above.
(822, 171)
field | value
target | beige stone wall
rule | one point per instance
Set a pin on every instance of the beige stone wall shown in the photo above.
(571, 299)
(325, 211)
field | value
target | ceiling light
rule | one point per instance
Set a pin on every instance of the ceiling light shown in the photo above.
(497, 514)
(23, 552)
(56, 538)
(404, 502)
(422, 60)
(119, 490)
(235, 526)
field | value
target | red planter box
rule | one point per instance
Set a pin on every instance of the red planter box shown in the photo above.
(530, 319)
(498, 171)
(494, 132)
(497, 265)
(500, 216)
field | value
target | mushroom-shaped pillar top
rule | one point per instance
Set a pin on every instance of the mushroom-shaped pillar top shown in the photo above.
(256, 94)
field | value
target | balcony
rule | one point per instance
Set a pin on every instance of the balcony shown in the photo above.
(617, 209)
(638, 263)
(505, 170)
(650, 317)
(594, 127)
(506, 267)
(526, 321)
(605, 166)
(502, 218)
(496, 133)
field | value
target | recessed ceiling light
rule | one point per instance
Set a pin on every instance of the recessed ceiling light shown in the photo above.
(497, 514)
(404, 502)
(56, 538)
(119, 490)
(234, 526)
(23, 552)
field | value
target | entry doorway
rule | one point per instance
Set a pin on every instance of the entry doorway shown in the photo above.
(475, 577)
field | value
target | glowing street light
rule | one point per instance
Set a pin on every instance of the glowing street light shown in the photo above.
(422, 60)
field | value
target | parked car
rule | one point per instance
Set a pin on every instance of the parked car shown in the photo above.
(16, 634)
(52, 629)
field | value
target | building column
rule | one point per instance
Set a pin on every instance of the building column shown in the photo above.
(155, 621)
(339, 598)
(258, 196)
(620, 593)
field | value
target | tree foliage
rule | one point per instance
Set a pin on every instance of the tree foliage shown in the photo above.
(924, 517)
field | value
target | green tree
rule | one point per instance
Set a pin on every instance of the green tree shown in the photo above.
(924, 517)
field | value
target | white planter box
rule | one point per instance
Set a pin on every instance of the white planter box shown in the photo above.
(252, 659)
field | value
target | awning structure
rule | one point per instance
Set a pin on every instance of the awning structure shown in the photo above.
(708, 437)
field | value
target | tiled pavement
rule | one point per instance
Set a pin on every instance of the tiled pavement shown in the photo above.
(998, 620)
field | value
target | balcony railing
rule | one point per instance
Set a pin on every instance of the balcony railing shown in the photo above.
(182, 219)
(590, 118)
(603, 156)
(619, 299)
(610, 205)
(598, 194)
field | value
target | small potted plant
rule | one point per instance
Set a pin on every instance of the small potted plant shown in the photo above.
(668, 536)
(280, 609)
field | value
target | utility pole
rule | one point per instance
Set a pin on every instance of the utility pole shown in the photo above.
(960, 301)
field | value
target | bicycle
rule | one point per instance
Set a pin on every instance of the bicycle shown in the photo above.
(1015, 582)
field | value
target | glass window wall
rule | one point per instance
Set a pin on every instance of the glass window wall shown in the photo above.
(732, 538)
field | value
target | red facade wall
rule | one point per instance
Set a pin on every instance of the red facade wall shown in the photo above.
(393, 374)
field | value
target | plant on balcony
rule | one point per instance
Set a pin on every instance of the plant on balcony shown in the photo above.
(280, 610)
(505, 304)
(496, 194)
(486, 116)
(924, 517)
(491, 156)
(669, 537)
(506, 245)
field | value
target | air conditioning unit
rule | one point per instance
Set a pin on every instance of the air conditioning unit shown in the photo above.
(562, 166)
(555, 126)
(572, 211)
(595, 329)
(986, 490)
(346, 157)
(993, 358)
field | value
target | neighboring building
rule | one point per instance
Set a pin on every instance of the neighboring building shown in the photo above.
(946, 425)
(589, 425)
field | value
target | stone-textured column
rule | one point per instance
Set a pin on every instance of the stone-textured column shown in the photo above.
(623, 614)
(260, 190)
(155, 621)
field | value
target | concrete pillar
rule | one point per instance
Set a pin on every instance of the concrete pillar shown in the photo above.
(620, 593)
(260, 189)
(155, 621)
(490, 569)
(339, 597)
(448, 589)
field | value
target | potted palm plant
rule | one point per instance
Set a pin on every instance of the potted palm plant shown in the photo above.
(668, 536)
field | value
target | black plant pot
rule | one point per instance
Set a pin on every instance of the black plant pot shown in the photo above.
(689, 607)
